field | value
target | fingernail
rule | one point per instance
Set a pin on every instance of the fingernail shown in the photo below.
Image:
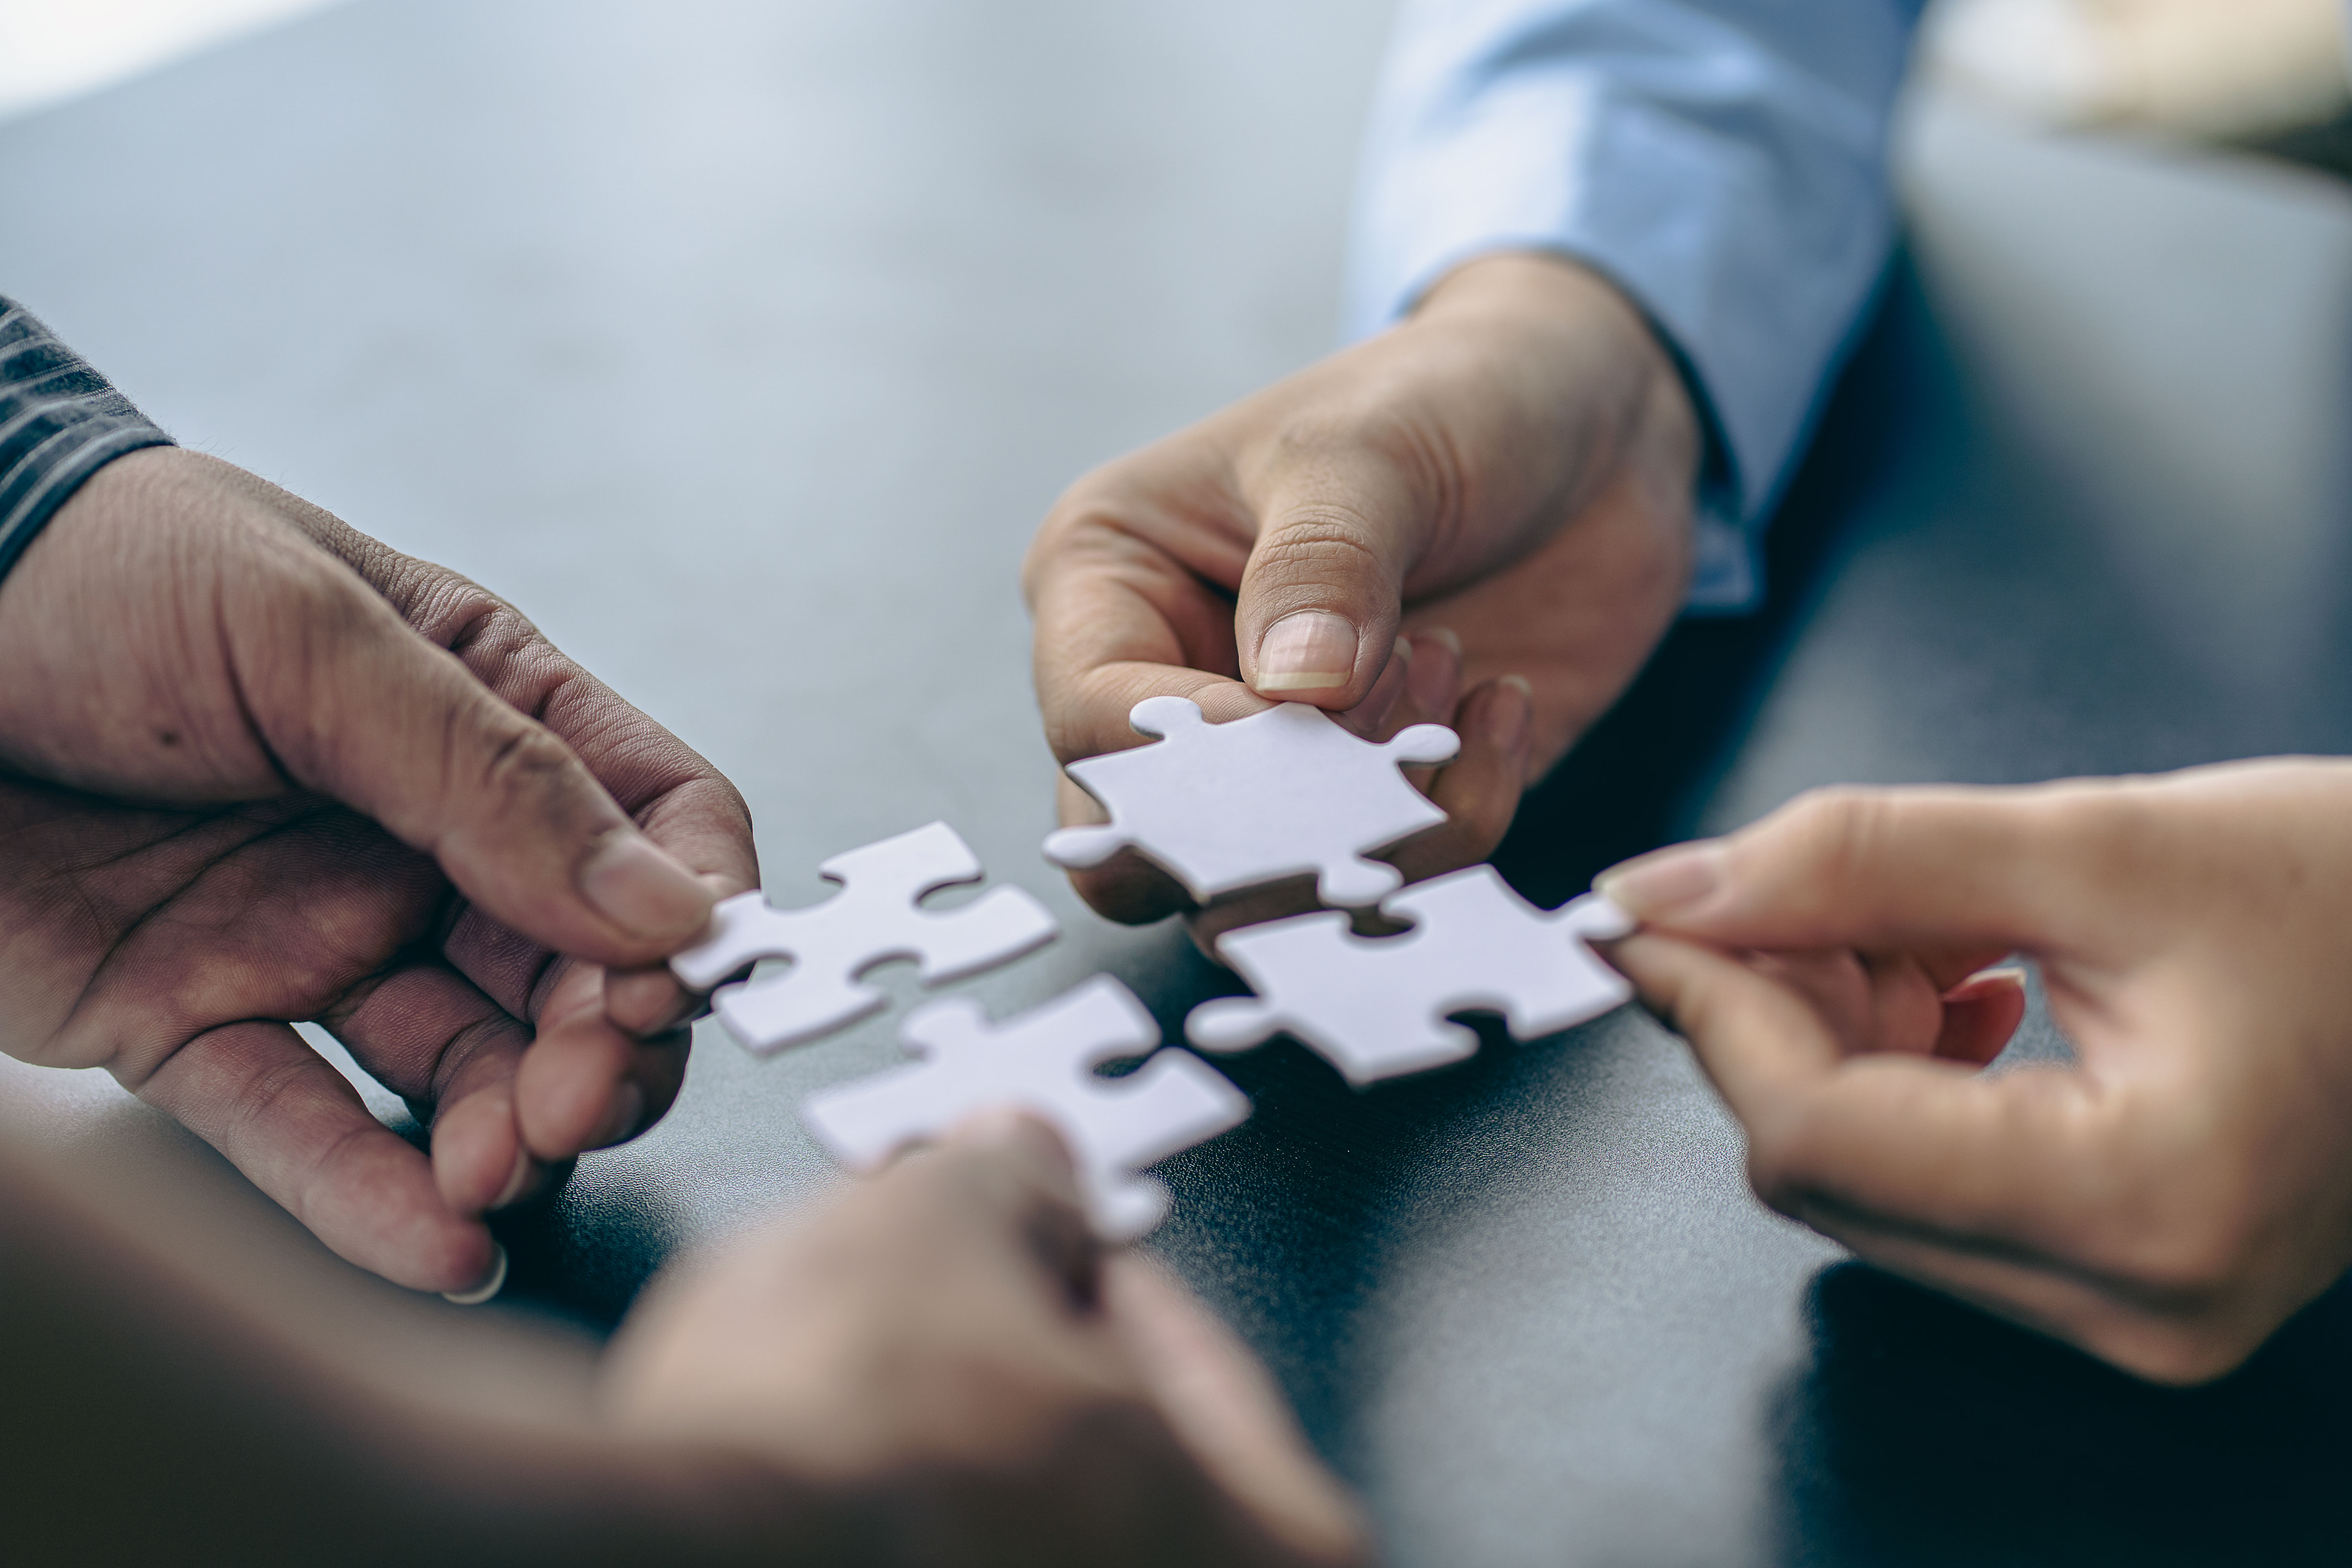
(491, 1285)
(646, 1002)
(638, 887)
(628, 1110)
(1434, 682)
(1664, 881)
(1507, 715)
(1444, 635)
(1312, 650)
(1999, 974)
(516, 1182)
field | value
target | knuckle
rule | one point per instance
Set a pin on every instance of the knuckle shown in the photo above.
(2191, 1256)
(2174, 1353)
(2190, 1228)
(1317, 546)
(1838, 819)
(1376, 437)
(522, 760)
(2103, 829)
(496, 643)
(1083, 527)
(1314, 533)
(463, 617)
(1839, 830)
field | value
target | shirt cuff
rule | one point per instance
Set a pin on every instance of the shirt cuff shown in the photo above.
(1732, 186)
(60, 422)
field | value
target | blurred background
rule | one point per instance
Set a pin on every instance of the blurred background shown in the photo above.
(56, 49)
(2273, 73)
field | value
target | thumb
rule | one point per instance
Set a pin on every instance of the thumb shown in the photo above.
(355, 704)
(1005, 1178)
(1966, 870)
(1316, 618)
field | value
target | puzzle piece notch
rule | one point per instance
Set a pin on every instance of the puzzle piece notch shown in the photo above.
(1280, 794)
(1378, 1007)
(876, 917)
(1043, 1061)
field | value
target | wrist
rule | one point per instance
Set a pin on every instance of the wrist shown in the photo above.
(1550, 303)
(1582, 346)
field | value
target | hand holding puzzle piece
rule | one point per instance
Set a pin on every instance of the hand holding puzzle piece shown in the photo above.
(1281, 794)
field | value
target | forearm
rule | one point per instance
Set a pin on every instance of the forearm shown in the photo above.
(146, 1414)
(60, 422)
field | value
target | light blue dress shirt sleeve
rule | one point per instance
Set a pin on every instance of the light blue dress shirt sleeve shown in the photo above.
(1721, 161)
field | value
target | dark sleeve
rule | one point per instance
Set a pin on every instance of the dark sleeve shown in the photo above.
(60, 422)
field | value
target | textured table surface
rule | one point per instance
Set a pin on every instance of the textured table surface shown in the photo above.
(742, 346)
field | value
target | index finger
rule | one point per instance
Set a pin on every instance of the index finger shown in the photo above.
(1943, 867)
(681, 801)
(1917, 1143)
(1121, 618)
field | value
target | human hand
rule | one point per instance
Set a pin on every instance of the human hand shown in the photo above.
(257, 768)
(1505, 479)
(948, 1336)
(2167, 1201)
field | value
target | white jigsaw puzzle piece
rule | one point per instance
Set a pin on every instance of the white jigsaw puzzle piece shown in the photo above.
(1279, 794)
(1377, 1008)
(876, 917)
(1043, 1061)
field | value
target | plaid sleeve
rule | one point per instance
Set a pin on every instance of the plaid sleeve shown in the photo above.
(60, 422)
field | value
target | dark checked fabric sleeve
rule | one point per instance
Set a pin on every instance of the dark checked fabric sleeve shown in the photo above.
(60, 422)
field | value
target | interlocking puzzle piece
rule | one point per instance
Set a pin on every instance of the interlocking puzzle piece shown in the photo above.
(1279, 794)
(876, 917)
(1043, 1061)
(1376, 1007)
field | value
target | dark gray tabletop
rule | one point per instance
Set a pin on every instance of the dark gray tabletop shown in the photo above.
(742, 346)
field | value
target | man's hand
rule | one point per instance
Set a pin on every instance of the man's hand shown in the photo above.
(2165, 1202)
(949, 1333)
(1500, 487)
(256, 768)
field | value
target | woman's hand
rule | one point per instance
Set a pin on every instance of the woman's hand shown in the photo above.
(1498, 488)
(2167, 1201)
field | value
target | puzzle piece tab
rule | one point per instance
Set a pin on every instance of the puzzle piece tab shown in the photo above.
(1277, 794)
(1377, 1008)
(876, 917)
(1043, 1061)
